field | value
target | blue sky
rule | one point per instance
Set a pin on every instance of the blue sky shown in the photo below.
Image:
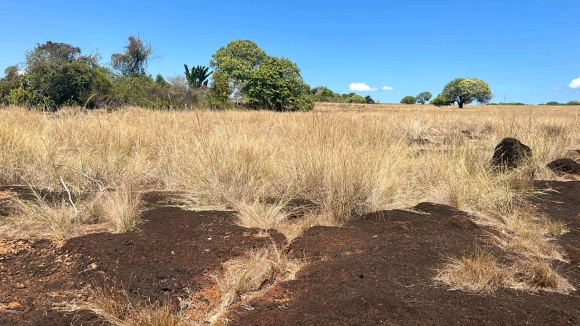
(528, 51)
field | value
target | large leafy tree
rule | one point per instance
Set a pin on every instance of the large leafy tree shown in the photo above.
(236, 61)
(133, 62)
(423, 97)
(276, 84)
(56, 74)
(466, 90)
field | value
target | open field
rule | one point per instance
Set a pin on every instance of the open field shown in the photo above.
(299, 192)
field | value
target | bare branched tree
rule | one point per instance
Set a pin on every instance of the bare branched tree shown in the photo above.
(134, 60)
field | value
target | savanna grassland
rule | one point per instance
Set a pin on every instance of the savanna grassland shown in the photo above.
(330, 166)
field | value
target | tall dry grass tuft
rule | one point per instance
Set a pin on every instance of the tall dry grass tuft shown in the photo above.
(245, 278)
(38, 217)
(483, 273)
(479, 273)
(118, 308)
(120, 208)
(68, 215)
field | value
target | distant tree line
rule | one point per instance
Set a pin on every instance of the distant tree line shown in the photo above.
(58, 74)
(573, 102)
(324, 94)
(55, 74)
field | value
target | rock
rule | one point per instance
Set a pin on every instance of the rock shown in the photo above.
(509, 153)
(564, 166)
(15, 306)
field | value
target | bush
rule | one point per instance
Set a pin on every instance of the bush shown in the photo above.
(304, 102)
(573, 102)
(355, 98)
(441, 100)
(18, 96)
(143, 91)
(409, 100)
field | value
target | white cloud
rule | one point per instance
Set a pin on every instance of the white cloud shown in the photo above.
(387, 88)
(575, 83)
(361, 87)
(557, 88)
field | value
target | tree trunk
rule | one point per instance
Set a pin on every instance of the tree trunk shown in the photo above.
(461, 105)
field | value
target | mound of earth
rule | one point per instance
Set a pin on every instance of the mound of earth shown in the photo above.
(377, 269)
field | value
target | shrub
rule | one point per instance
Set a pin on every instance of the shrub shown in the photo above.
(355, 98)
(304, 102)
(441, 100)
(409, 100)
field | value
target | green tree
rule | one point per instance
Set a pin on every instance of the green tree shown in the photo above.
(57, 75)
(159, 80)
(133, 62)
(355, 98)
(276, 84)
(219, 92)
(13, 81)
(236, 61)
(198, 77)
(573, 102)
(409, 100)
(441, 100)
(323, 94)
(369, 99)
(466, 90)
(424, 97)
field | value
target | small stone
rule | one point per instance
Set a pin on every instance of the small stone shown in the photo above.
(14, 305)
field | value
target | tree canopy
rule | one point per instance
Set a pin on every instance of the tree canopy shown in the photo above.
(409, 99)
(275, 84)
(264, 81)
(134, 60)
(466, 90)
(423, 97)
(236, 61)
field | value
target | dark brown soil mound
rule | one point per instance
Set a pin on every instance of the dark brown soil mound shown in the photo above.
(378, 269)
(564, 166)
(170, 255)
(509, 153)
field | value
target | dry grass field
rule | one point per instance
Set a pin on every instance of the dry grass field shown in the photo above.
(342, 160)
